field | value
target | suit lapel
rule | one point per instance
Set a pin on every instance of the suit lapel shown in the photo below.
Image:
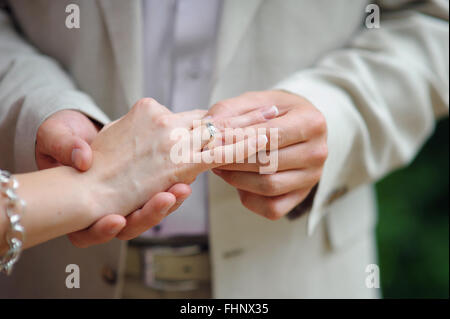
(123, 21)
(236, 18)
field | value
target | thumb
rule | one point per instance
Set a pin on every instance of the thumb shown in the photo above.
(68, 149)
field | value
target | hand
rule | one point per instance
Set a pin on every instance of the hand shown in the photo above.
(64, 139)
(302, 144)
(129, 167)
(131, 226)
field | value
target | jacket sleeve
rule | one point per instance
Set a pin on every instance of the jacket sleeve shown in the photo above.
(32, 87)
(380, 96)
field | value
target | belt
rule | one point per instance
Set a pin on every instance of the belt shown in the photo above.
(171, 267)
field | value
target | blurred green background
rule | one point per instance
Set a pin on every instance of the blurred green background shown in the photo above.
(412, 233)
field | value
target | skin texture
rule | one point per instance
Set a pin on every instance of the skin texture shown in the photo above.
(127, 169)
(67, 130)
(64, 139)
(302, 143)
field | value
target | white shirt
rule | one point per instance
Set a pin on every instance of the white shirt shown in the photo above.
(179, 49)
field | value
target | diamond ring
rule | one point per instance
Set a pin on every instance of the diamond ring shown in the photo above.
(211, 129)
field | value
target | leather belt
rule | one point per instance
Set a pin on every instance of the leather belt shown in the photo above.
(168, 267)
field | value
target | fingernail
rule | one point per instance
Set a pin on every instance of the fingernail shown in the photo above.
(270, 113)
(217, 171)
(76, 157)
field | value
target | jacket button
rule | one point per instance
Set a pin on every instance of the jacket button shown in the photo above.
(109, 275)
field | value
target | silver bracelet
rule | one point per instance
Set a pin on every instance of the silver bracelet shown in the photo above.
(15, 233)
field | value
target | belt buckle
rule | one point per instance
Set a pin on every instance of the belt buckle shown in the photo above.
(151, 267)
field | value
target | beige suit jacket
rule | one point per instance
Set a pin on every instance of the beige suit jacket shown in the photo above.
(379, 89)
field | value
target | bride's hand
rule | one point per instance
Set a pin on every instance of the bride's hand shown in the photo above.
(132, 156)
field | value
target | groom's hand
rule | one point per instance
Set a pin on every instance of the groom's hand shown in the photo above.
(131, 226)
(64, 139)
(302, 144)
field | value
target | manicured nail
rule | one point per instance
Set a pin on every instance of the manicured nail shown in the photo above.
(270, 113)
(217, 171)
(77, 157)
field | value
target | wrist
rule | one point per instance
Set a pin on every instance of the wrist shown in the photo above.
(93, 195)
(103, 189)
(80, 201)
(57, 203)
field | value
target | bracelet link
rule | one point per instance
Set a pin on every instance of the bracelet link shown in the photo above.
(14, 208)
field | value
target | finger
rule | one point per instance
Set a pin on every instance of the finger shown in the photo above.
(270, 184)
(188, 119)
(110, 226)
(243, 103)
(151, 214)
(203, 135)
(201, 131)
(65, 148)
(300, 124)
(150, 106)
(297, 156)
(100, 232)
(61, 134)
(237, 152)
(181, 193)
(247, 119)
(180, 190)
(272, 208)
(45, 161)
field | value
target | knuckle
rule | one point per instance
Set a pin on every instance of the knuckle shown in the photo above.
(55, 149)
(162, 121)
(318, 124)
(273, 212)
(317, 175)
(244, 199)
(221, 106)
(258, 117)
(223, 123)
(148, 101)
(269, 184)
(320, 154)
(232, 178)
(144, 104)
(78, 243)
(254, 117)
